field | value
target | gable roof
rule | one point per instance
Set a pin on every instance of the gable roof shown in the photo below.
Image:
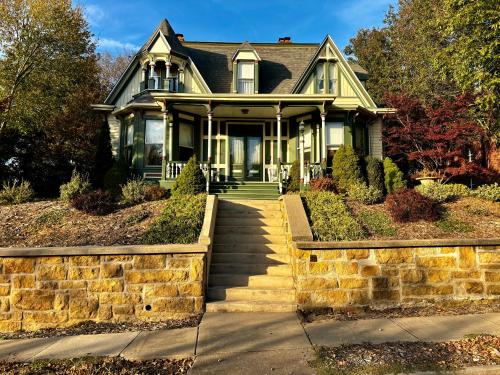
(170, 36)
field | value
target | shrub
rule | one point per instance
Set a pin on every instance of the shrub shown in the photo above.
(330, 218)
(322, 184)
(364, 194)
(409, 205)
(488, 192)
(375, 173)
(346, 168)
(155, 193)
(51, 217)
(134, 191)
(115, 177)
(16, 192)
(191, 179)
(180, 221)
(443, 192)
(393, 177)
(377, 223)
(293, 183)
(95, 202)
(78, 185)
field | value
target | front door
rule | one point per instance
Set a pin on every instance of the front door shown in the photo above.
(245, 152)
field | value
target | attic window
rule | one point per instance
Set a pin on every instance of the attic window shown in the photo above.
(320, 78)
(246, 75)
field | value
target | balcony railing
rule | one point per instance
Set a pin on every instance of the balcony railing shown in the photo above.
(157, 83)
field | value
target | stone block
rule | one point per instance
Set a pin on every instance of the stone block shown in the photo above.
(148, 262)
(51, 272)
(357, 254)
(83, 308)
(466, 275)
(194, 289)
(104, 312)
(61, 302)
(123, 310)
(330, 297)
(44, 317)
(134, 288)
(359, 297)
(50, 260)
(47, 285)
(313, 283)
(10, 326)
(330, 254)
(473, 287)
(119, 258)
(106, 285)
(436, 262)
(83, 273)
(318, 268)
(162, 290)
(427, 290)
(386, 295)
(490, 257)
(438, 276)
(394, 256)
(72, 284)
(412, 276)
(119, 298)
(370, 270)
(492, 277)
(33, 299)
(466, 258)
(111, 270)
(4, 279)
(448, 250)
(196, 269)
(18, 265)
(346, 268)
(493, 290)
(4, 304)
(23, 281)
(4, 290)
(304, 298)
(155, 276)
(353, 283)
(84, 260)
(185, 305)
(178, 262)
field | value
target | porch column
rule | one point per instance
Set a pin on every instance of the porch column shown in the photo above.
(167, 65)
(323, 137)
(318, 144)
(170, 141)
(209, 149)
(143, 75)
(278, 141)
(152, 69)
(301, 151)
(164, 148)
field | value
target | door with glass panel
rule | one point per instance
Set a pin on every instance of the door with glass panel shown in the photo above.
(253, 158)
(245, 152)
(237, 157)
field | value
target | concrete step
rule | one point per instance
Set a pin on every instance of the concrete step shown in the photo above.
(251, 248)
(254, 229)
(251, 269)
(239, 258)
(245, 221)
(250, 294)
(252, 281)
(250, 306)
(249, 238)
(248, 214)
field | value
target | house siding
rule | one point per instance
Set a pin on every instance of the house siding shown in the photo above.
(375, 139)
(132, 88)
(114, 131)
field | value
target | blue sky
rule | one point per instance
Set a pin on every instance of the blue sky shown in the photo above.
(121, 25)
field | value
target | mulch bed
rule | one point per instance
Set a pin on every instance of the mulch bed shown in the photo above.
(98, 366)
(54, 223)
(408, 356)
(483, 216)
(93, 328)
(424, 309)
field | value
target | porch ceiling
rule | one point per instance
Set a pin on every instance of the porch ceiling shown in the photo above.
(237, 111)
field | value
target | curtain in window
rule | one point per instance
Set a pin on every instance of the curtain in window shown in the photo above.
(245, 77)
(130, 135)
(334, 133)
(237, 150)
(320, 78)
(153, 149)
(332, 76)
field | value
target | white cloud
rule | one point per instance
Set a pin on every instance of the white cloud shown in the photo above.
(94, 14)
(114, 45)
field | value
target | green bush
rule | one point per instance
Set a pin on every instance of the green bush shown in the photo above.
(346, 168)
(443, 192)
(393, 177)
(134, 191)
(191, 179)
(155, 192)
(449, 225)
(115, 177)
(136, 218)
(78, 185)
(375, 173)
(364, 194)
(294, 178)
(377, 223)
(95, 203)
(488, 192)
(330, 218)
(180, 221)
(16, 192)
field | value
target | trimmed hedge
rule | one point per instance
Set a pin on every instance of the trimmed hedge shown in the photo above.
(443, 192)
(346, 168)
(375, 173)
(409, 205)
(393, 177)
(180, 221)
(294, 178)
(330, 218)
(191, 179)
(364, 194)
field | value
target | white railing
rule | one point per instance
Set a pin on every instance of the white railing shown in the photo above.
(174, 169)
(312, 171)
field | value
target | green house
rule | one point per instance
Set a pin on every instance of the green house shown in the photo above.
(246, 110)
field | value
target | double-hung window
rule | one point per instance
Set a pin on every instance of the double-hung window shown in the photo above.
(129, 144)
(332, 78)
(153, 145)
(334, 138)
(246, 77)
(320, 78)
(186, 143)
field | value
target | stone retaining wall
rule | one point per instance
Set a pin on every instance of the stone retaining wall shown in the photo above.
(57, 291)
(394, 276)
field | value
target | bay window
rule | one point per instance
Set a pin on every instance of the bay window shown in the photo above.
(153, 147)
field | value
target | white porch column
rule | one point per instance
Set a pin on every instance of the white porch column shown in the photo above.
(164, 148)
(278, 141)
(152, 69)
(301, 153)
(318, 145)
(167, 65)
(323, 137)
(209, 149)
(143, 75)
(171, 141)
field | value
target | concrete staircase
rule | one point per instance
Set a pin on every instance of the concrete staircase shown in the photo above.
(250, 268)
(235, 190)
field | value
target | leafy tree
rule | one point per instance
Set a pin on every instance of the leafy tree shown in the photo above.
(112, 67)
(104, 155)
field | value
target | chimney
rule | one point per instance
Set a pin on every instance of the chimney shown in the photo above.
(180, 37)
(284, 39)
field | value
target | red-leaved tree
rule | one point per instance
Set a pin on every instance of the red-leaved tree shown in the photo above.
(436, 139)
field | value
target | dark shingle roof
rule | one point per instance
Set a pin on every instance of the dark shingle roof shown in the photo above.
(280, 68)
(170, 36)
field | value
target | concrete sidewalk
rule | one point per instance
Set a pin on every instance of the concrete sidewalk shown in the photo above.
(250, 343)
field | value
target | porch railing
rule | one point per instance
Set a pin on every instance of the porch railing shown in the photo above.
(312, 171)
(174, 169)
(157, 83)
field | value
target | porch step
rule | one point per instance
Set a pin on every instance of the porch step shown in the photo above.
(252, 281)
(258, 258)
(244, 190)
(251, 248)
(251, 269)
(247, 221)
(250, 294)
(250, 306)
(249, 238)
(250, 229)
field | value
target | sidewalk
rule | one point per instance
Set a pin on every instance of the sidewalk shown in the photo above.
(249, 343)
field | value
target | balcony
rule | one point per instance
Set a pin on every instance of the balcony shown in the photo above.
(170, 84)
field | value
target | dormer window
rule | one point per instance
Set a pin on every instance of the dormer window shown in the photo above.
(246, 75)
(320, 78)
